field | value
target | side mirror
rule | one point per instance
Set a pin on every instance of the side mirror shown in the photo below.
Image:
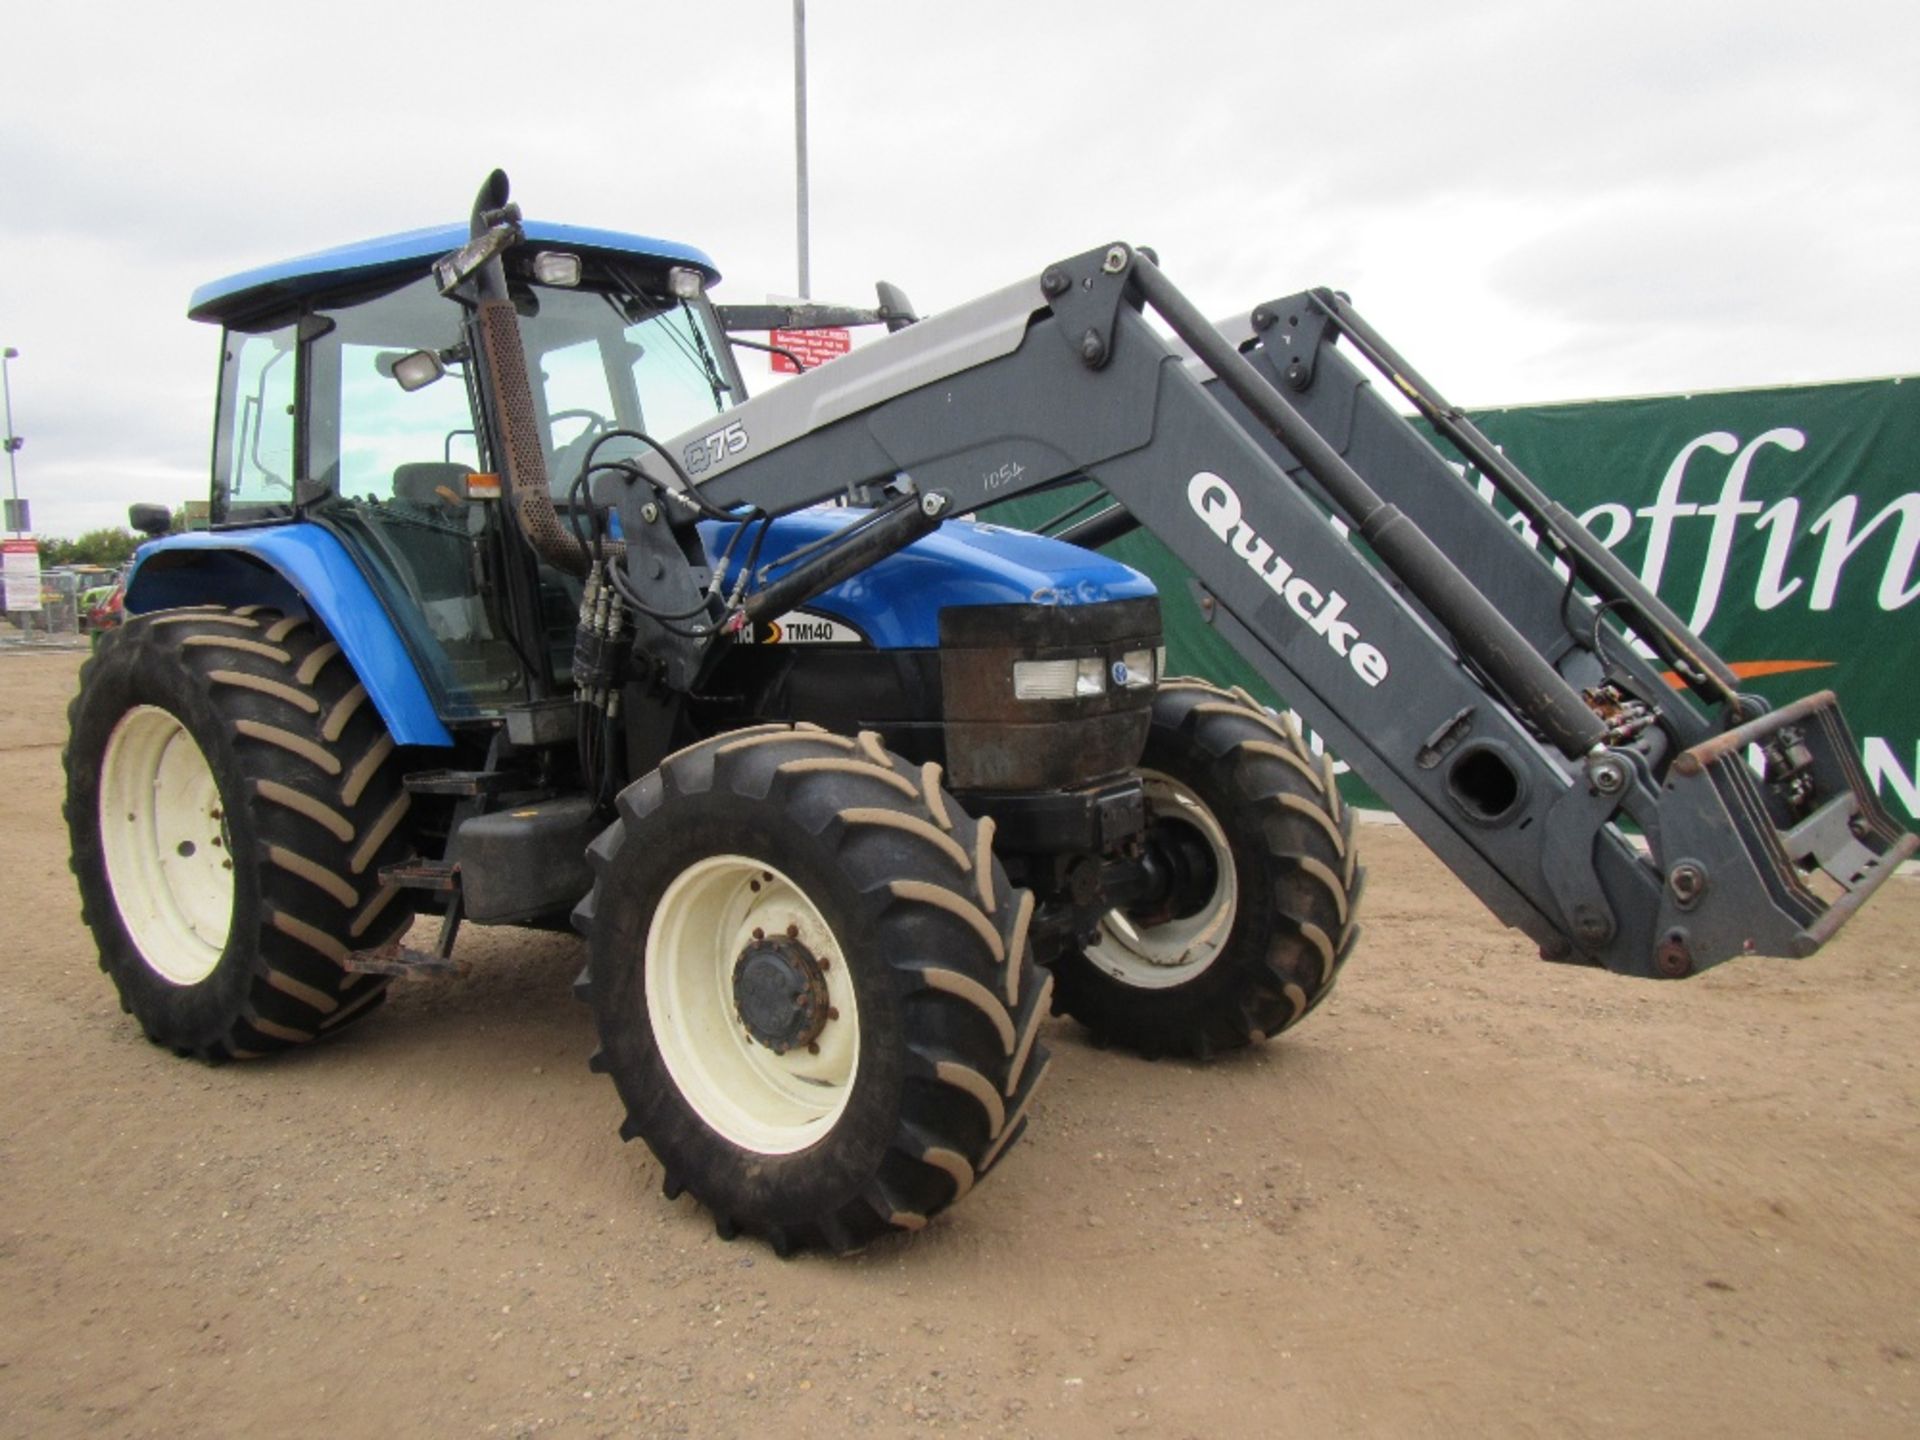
(895, 308)
(413, 371)
(153, 521)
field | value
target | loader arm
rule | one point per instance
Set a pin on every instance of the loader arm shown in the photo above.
(1505, 723)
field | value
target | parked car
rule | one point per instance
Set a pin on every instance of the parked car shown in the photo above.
(104, 606)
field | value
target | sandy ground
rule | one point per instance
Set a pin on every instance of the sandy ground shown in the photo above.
(1474, 1194)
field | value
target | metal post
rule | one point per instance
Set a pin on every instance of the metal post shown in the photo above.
(800, 134)
(13, 444)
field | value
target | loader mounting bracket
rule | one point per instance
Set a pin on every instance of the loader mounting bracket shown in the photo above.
(1086, 293)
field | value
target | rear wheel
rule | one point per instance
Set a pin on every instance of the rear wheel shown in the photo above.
(1260, 882)
(812, 985)
(231, 796)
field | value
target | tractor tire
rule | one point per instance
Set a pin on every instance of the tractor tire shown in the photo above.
(231, 797)
(812, 986)
(1261, 918)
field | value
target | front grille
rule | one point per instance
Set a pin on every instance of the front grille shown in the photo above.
(996, 742)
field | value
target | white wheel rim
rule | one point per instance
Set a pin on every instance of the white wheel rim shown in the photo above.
(1159, 957)
(164, 840)
(769, 1103)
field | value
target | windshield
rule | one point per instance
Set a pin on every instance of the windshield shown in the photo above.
(601, 361)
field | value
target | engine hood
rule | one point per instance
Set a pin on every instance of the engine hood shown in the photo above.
(896, 604)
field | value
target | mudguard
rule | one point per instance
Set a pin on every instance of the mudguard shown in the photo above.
(301, 567)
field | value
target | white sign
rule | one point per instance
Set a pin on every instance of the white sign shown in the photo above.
(22, 574)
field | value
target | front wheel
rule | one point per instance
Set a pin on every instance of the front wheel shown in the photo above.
(1259, 883)
(812, 985)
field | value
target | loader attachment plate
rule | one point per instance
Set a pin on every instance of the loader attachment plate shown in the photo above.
(1803, 840)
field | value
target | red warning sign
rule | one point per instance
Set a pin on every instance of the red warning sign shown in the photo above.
(811, 347)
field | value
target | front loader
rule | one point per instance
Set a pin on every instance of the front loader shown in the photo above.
(517, 610)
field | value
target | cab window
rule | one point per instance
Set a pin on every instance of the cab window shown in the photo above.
(384, 429)
(253, 447)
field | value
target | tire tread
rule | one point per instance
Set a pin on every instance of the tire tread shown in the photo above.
(973, 1053)
(317, 773)
(1285, 796)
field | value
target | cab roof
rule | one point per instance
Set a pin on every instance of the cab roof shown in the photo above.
(271, 286)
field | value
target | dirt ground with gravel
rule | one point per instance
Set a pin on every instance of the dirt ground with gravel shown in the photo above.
(1474, 1194)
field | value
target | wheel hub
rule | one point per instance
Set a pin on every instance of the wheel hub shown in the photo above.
(166, 845)
(780, 993)
(722, 994)
(1180, 925)
(1182, 872)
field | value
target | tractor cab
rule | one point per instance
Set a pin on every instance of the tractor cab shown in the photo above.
(348, 398)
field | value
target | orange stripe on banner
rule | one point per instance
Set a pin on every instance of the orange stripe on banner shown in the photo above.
(1755, 669)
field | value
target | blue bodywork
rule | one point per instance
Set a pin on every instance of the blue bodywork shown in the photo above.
(896, 604)
(254, 290)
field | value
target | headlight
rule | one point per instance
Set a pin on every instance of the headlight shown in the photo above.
(1059, 679)
(554, 267)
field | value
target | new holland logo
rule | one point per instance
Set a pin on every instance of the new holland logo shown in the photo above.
(1216, 502)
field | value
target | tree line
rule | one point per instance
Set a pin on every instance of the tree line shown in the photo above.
(111, 546)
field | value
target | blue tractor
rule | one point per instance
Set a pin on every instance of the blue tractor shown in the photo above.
(515, 610)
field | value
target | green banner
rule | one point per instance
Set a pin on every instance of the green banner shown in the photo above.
(1782, 525)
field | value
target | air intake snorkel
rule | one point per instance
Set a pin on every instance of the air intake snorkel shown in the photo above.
(505, 387)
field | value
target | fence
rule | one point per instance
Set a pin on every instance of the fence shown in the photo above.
(58, 621)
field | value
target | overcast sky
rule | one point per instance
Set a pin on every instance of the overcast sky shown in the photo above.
(1535, 200)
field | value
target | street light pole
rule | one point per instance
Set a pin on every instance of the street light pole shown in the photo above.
(800, 136)
(13, 440)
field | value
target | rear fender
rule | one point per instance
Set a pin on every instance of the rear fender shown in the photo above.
(295, 568)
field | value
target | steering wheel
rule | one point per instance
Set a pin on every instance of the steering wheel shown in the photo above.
(568, 458)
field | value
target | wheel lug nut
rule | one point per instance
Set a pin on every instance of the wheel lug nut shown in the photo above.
(793, 932)
(832, 1013)
(758, 933)
(813, 1047)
